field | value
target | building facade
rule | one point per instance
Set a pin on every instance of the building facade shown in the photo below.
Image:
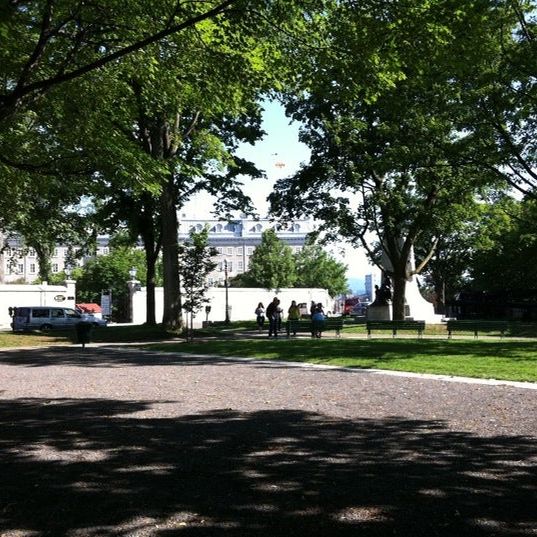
(234, 241)
(20, 263)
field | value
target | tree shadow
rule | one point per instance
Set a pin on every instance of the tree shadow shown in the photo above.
(107, 467)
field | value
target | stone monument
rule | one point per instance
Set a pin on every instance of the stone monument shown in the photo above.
(416, 307)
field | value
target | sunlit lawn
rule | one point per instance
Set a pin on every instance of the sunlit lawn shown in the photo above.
(110, 334)
(493, 358)
(486, 357)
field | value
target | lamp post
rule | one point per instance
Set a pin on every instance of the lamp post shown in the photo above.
(227, 294)
(70, 285)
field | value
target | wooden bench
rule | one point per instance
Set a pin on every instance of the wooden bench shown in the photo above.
(315, 327)
(477, 326)
(395, 326)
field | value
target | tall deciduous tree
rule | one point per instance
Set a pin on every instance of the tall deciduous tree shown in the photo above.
(316, 268)
(272, 264)
(386, 122)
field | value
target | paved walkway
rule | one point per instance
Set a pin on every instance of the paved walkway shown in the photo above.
(114, 441)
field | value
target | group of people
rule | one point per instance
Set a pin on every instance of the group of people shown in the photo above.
(274, 314)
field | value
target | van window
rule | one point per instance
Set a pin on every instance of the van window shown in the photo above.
(41, 313)
(22, 312)
(56, 314)
(71, 313)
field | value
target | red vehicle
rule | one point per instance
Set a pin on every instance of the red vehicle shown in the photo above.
(350, 304)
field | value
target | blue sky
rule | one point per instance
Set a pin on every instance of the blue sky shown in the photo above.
(280, 155)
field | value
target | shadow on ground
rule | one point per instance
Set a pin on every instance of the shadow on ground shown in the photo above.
(105, 467)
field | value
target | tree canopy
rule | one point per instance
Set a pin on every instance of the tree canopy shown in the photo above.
(387, 123)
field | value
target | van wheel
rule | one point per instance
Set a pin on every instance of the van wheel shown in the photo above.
(45, 328)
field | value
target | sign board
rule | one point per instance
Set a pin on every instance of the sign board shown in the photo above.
(106, 302)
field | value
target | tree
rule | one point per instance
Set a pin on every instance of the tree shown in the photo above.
(316, 268)
(505, 251)
(48, 42)
(272, 264)
(110, 272)
(43, 215)
(196, 262)
(504, 100)
(180, 109)
(386, 125)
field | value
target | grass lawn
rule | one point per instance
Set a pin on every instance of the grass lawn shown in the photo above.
(503, 360)
(483, 358)
(110, 334)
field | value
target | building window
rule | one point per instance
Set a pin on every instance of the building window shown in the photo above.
(221, 266)
(230, 266)
(20, 268)
(250, 250)
(32, 268)
(230, 251)
(106, 250)
(239, 250)
(240, 266)
(31, 252)
(55, 267)
(55, 253)
(219, 250)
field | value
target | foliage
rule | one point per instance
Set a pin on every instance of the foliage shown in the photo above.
(49, 42)
(386, 124)
(196, 262)
(111, 272)
(316, 268)
(505, 254)
(272, 264)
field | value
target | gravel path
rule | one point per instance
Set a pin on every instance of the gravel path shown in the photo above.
(126, 443)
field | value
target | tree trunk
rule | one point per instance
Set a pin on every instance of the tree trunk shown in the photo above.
(2, 258)
(398, 295)
(440, 295)
(172, 317)
(150, 287)
(43, 252)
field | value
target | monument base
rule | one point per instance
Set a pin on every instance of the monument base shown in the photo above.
(379, 313)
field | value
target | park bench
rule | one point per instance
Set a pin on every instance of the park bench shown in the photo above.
(477, 326)
(315, 327)
(395, 326)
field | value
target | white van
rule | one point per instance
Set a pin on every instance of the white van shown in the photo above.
(44, 318)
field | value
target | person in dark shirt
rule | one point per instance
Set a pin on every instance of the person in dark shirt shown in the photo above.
(273, 314)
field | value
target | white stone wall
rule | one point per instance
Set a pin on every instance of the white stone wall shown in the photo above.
(34, 295)
(243, 302)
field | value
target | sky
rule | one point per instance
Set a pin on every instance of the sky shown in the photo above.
(279, 154)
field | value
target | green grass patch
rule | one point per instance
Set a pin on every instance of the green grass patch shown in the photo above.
(503, 360)
(31, 339)
(110, 334)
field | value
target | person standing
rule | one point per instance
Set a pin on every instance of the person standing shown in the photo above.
(260, 316)
(273, 315)
(317, 320)
(293, 315)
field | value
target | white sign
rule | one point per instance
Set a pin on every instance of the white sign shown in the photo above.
(106, 303)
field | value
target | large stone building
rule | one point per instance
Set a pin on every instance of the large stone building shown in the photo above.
(234, 241)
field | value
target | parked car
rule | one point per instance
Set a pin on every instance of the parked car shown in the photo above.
(47, 318)
(95, 321)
